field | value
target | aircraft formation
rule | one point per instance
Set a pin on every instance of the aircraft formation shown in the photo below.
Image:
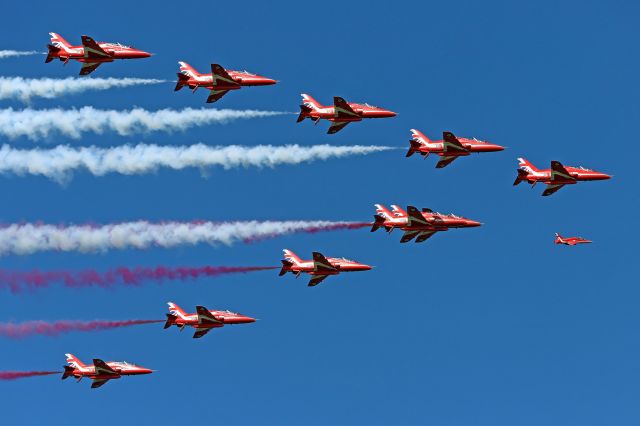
(416, 224)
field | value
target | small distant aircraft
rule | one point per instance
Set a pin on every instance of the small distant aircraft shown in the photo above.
(571, 241)
(449, 148)
(320, 267)
(203, 320)
(340, 114)
(91, 54)
(219, 82)
(556, 177)
(101, 372)
(417, 224)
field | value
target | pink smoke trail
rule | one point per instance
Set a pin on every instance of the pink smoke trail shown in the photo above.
(13, 375)
(45, 328)
(16, 281)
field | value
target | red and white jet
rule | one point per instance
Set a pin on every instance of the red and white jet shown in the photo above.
(570, 241)
(449, 148)
(415, 223)
(100, 372)
(203, 320)
(340, 114)
(90, 53)
(319, 267)
(219, 82)
(556, 177)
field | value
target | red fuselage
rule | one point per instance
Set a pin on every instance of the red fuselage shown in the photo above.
(341, 265)
(225, 317)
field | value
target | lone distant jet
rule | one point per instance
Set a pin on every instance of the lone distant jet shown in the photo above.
(320, 267)
(449, 148)
(340, 114)
(101, 372)
(91, 54)
(219, 82)
(203, 320)
(556, 177)
(570, 241)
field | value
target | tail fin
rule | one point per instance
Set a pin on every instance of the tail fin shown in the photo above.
(68, 372)
(558, 239)
(171, 320)
(59, 42)
(188, 70)
(176, 310)
(311, 103)
(182, 81)
(52, 53)
(419, 136)
(378, 222)
(525, 165)
(383, 211)
(73, 361)
(286, 266)
(292, 257)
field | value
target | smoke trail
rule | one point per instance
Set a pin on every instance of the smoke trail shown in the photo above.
(59, 163)
(30, 328)
(31, 238)
(40, 123)
(13, 375)
(12, 53)
(18, 281)
(24, 89)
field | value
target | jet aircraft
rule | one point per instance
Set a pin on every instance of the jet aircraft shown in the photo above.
(556, 177)
(449, 148)
(203, 320)
(340, 114)
(417, 224)
(570, 241)
(219, 82)
(319, 267)
(90, 53)
(100, 372)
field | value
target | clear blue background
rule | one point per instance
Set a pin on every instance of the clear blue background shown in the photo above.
(486, 326)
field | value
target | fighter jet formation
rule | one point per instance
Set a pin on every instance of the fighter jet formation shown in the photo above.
(416, 225)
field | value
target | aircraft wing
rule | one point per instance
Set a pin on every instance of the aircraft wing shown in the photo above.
(336, 126)
(98, 382)
(424, 236)
(321, 263)
(101, 367)
(559, 172)
(408, 236)
(415, 217)
(216, 95)
(316, 279)
(89, 67)
(342, 109)
(221, 76)
(551, 189)
(451, 143)
(93, 49)
(445, 161)
(201, 332)
(206, 317)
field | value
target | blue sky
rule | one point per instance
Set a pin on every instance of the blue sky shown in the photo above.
(486, 326)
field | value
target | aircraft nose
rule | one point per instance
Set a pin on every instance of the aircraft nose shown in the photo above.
(390, 113)
(496, 147)
(473, 223)
(366, 267)
(143, 54)
(247, 319)
(604, 176)
(267, 81)
(145, 371)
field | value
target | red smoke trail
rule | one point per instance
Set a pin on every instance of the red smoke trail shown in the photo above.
(13, 375)
(314, 230)
(16, 281)
(30, 328)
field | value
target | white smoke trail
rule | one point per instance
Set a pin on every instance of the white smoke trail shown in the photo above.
(58, 163)
(24, 89)
(21, 239)
(12, 53)
(40, 123)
